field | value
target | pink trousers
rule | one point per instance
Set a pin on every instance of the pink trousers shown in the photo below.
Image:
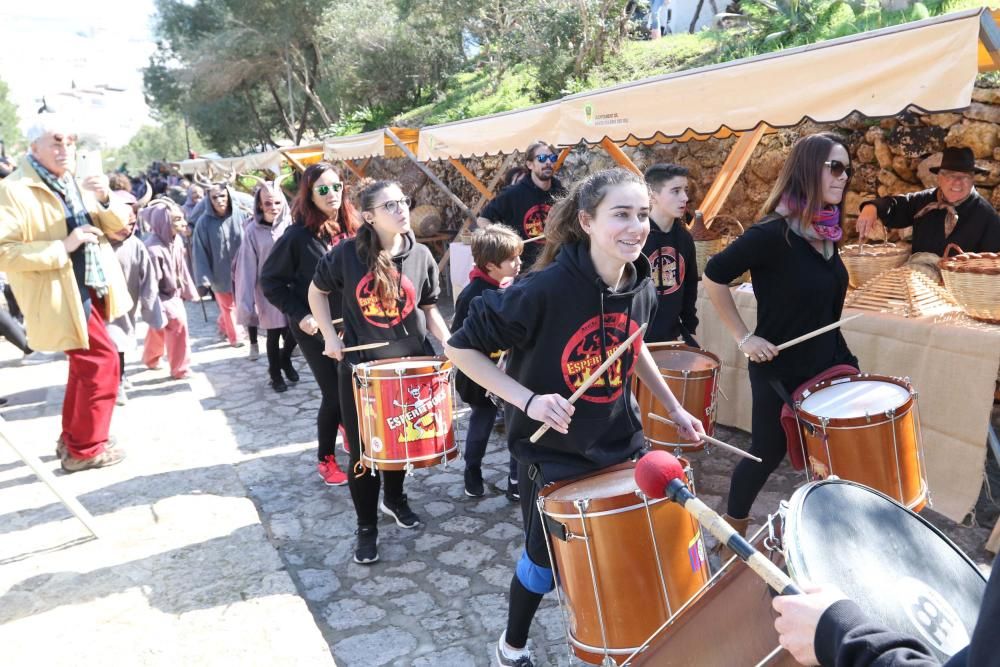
(227, 316)
(171, 339)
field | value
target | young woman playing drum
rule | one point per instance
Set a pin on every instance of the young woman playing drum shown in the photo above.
(588, 292)
(800, 283)
(322, 219)
(388, 287)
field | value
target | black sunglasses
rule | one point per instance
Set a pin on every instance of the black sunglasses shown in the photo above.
(324, 190)
(838, 168)
(551, 157)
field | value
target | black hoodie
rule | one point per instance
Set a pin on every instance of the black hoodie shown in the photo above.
(289, 269)
(559, 324)
(404, 325)
(674, 269)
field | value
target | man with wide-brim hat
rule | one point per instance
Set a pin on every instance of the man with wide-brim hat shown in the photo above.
(953, 212)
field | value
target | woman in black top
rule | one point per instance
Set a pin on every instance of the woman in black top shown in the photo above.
(800, 283)
(387, 285)
(322, 219)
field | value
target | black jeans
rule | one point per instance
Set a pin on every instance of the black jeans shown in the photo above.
(279, 357)
(15, 310)
(481, 420)
(768, 442)
(324, 369)
(252, 334)
(12, 330)
(364, 489)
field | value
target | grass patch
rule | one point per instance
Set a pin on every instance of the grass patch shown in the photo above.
(473, 94)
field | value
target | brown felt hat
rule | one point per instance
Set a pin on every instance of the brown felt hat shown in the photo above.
(959, 159)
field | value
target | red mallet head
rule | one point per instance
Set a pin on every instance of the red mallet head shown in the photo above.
(655, 470)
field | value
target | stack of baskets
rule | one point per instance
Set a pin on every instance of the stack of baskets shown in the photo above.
(712, 237)
(973, 278)
(865, 261)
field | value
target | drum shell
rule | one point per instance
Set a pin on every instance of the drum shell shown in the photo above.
(879, 451)
(628, 578)
(695, 390)
(379, 387)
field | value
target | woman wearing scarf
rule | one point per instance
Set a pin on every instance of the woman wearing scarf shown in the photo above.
(216, 241)
(953, 212)
(175, 286)
(800, 283)
(270, 218)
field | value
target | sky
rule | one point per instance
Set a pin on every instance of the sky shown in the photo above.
(47, 46)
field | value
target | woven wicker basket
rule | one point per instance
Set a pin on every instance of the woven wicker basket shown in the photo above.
(707, 242)
(974, 280)
(865, 261)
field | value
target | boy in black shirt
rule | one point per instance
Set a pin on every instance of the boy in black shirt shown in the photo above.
(496, 251)
(670, 250)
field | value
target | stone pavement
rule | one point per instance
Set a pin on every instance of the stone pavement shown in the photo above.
(219, 529)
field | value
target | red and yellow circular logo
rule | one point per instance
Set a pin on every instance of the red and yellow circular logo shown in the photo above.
(380, 314)
(534, 221)
(668, 270)
(582, 356)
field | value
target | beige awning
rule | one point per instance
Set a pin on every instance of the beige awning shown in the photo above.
(269, 161)
(356, 147)
(489, 135)
(930, 65)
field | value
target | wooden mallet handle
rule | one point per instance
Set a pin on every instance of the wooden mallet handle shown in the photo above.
(619, 351)
(707, 438)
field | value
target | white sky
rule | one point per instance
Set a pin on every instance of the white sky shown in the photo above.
(47, 45)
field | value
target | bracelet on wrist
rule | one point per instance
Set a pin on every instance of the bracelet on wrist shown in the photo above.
(528, 402)
(743, 341)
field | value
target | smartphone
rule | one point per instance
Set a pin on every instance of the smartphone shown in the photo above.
(88, 163)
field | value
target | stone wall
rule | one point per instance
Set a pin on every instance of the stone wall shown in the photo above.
(890, 156)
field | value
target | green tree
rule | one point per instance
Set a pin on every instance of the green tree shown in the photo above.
(9, 130)
(155, 142)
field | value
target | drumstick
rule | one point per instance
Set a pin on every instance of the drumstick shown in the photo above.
(821, 330)
(619, 351)
(535, 238)
(659, 475)
(366, 346)
(339, 320)
(707, 438)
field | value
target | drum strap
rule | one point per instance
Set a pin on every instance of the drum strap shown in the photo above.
(787, 398)
(555, 528)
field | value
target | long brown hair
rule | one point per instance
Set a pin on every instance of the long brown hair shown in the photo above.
(305, 212)
(801, 177)
(370, 250)
(563, 222)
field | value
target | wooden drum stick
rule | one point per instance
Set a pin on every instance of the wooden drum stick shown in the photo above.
(821, 330)
(619, 351)
(535, 238)
(366, 346)
(339, 320)
(707, 438)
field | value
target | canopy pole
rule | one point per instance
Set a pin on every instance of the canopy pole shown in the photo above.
(989, 35)
(295, 163)
(563, 154)
(357, 171)
(735, 162)
(619, 156)
(471, 178)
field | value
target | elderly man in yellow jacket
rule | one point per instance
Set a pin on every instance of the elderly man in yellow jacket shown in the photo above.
(55, 251)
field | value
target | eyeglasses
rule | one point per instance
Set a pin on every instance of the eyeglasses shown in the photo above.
(551, 157)
(324, 190)
(393, 206)
(838, 168)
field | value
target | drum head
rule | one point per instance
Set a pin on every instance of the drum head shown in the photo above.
(855, 399)
(899, 569)
(685, 358)
(606, 484)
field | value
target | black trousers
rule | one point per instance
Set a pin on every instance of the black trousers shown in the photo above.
(279, 357)
(324, 369)
(364, 489)
(12, 330)
(768, 441)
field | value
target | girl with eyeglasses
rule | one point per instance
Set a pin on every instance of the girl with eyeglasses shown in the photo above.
(589, 291)
(388, 287)
(322, 219)
(800, 283)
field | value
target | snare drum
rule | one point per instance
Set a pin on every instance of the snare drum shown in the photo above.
(899, 568)
(625, 563)
(405, 412)
(865, 428)
(693, 376)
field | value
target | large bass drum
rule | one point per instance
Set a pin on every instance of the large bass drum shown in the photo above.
(902, 571)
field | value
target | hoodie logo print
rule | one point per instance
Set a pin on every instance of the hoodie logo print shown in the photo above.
(534, 220)
(582, 356)
(668, 270)
(384, 315)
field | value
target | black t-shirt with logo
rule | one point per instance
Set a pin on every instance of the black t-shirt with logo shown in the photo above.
(524, 207)
(673, 264)
(402, 324)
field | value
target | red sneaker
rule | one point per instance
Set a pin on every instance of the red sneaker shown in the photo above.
(331, 472)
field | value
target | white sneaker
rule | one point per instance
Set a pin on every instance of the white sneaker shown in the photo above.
(254, 352)
(122, 396)
(39, 358)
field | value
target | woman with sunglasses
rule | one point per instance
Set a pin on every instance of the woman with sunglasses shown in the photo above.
(524, 205)
(800, 283)
(388, 284)
(322, 219)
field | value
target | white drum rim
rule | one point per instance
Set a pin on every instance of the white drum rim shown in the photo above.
(905, 393)
(436, 455)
